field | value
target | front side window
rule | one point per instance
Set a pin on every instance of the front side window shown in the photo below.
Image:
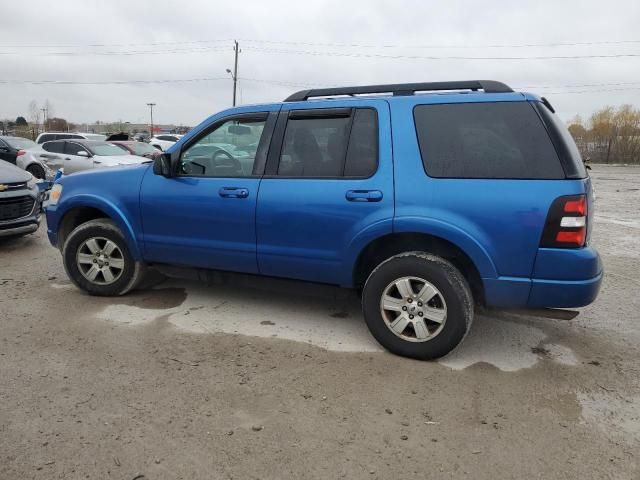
(227, 151)
(72, 148)
(485, 140)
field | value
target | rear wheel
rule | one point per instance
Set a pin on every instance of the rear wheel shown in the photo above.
(37, 171)
(97, 259)
(417, 305)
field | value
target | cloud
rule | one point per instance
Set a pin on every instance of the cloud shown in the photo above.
(270, 71)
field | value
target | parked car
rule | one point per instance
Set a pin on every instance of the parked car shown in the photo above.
(24, 153)
(76, 155)
(478, 197)
(49, 136)
(20, 201)
(140, 149)
(162, 142)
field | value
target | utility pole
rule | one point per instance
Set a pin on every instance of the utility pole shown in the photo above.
(44, 119)
(151, 105)
(234, 74)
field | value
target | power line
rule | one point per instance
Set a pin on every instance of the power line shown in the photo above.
(434, 57)
(469, 45)
(108, 82)
(119, 52)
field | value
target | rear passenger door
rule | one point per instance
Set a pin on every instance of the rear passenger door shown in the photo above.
(53, 154)
(329, 179)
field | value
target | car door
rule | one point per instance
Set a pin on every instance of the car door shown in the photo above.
(329, 180)
(53, 154)
(204, 215)
(73, 162)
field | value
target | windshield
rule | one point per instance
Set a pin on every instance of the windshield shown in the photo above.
(20, 143)
(107, 149)
(140, 148)
(94, 136)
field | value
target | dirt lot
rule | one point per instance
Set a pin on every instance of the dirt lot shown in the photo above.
(275, 380)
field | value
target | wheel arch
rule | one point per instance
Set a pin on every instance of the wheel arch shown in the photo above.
(90, 209)
(386, 246)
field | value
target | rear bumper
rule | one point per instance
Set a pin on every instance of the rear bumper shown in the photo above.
(563, 293)
(562, 278)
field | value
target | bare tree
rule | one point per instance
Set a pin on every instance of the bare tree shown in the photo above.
(34, 113)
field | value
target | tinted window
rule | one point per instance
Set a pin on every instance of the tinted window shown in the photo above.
(485, 140)
(167, 138)
(53, 147)
(72, 148)
(227, 151)
(46, 137)
(565, 144)
(362, 152)
(314, 147)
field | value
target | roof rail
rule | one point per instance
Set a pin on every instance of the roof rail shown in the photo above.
(489, 86)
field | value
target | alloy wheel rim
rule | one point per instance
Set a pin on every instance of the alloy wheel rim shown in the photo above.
(100, 260)
(413, 309)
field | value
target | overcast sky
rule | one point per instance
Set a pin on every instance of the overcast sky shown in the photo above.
(284, 48)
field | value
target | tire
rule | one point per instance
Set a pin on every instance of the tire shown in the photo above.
(126, 272)
(438, 325)
(37, 171)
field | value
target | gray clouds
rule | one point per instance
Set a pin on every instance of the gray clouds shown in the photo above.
(132, 26)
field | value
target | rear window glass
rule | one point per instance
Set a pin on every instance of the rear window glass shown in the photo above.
(485, 140)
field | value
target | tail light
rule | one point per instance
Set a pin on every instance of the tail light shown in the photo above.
(566, 225)
(20, 152)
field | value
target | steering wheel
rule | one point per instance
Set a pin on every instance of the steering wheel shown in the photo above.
(228, 160)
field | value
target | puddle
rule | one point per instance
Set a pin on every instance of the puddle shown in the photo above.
(330, 323)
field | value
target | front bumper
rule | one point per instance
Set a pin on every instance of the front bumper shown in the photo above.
(25, 224)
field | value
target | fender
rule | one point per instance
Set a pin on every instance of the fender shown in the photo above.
(110, 209)
(452, 233)
(359, 242)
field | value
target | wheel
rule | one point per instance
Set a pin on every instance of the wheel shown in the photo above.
(417, 305)
(36, 170)
(97, 259)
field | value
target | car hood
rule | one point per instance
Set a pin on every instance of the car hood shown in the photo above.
(11, 174)
(120, 159)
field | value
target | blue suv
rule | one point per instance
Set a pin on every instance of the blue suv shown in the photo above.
(429, 198)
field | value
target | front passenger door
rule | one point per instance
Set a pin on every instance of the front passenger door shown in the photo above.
(204, 215)
(74, 162)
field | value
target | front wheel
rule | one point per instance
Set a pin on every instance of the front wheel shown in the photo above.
(417, 305)
(97, 259)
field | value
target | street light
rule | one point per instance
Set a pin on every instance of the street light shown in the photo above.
(151, 105)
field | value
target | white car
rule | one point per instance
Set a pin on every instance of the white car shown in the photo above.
(25, 153)
(162, 142)
(77, 155)
(49, 136)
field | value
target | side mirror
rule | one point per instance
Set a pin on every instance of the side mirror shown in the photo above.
(162, 165)
(82, 153)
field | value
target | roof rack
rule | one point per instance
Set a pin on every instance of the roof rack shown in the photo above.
(398, 89)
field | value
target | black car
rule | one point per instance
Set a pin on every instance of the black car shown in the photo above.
(20, 201)
(11, 147)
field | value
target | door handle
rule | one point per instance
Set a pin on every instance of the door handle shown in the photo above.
(233, 192)
(364, 195)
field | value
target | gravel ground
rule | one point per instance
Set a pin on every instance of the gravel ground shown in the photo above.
(272, 379)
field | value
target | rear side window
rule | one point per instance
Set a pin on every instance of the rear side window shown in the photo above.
(338, 146)
(46, 138)
(53, 147)
(485, 140)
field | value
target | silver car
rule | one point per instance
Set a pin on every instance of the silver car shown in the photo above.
(77, 155)
(20, 201)
(25, 153)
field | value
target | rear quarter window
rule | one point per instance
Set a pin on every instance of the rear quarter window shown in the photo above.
(485, 140)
